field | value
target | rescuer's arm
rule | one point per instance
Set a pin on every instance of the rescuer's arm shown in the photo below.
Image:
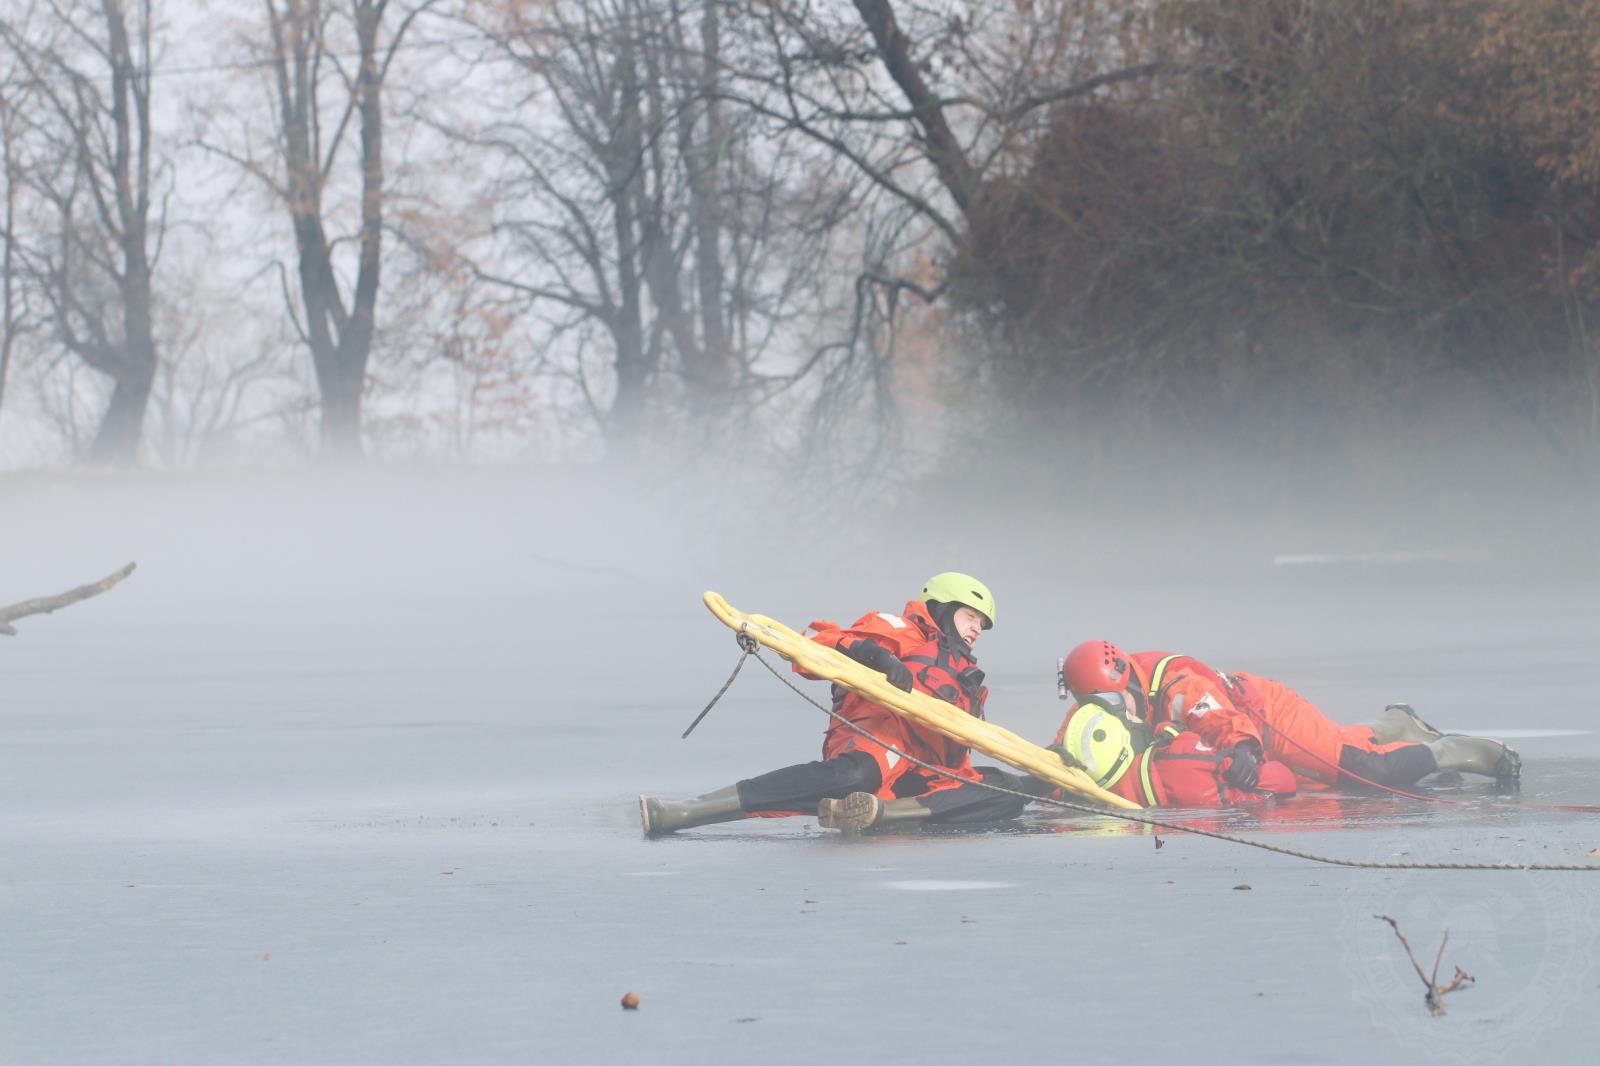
(875, 656)
(1196, 702)
(865, 642)
(1244, 764)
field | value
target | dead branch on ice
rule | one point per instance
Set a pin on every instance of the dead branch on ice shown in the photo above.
(1435, 995)
(46, 604)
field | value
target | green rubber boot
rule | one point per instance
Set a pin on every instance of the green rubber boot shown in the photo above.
(661, 817)
(863, 810)
(1477, 755)
(1400, 723)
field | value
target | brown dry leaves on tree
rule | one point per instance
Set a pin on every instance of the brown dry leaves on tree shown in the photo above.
(1545, 53)
(1541, 57)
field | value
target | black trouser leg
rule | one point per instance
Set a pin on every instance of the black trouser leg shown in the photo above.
(972, 805)
(1400, 768)
(802, 787)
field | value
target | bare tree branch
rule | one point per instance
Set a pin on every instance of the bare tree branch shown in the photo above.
(1434, 996)
(48, 604)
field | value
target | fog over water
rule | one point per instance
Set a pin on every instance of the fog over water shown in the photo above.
(346, 771)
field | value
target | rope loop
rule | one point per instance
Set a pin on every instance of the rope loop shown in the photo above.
(748, 644)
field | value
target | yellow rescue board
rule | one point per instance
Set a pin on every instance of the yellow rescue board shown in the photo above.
(921, 708)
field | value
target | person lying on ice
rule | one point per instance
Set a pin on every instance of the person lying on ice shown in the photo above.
(859, 782)
(1256, 715)
(1165, 766)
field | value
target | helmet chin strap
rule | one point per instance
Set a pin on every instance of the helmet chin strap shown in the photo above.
(943, 614)
(1140, 704)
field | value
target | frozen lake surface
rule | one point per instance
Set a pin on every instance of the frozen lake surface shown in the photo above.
(336, 780)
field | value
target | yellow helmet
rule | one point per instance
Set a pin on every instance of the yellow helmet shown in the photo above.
(968, 591)
(1100, 742)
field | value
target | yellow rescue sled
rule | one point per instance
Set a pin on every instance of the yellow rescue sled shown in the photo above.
(921, 708)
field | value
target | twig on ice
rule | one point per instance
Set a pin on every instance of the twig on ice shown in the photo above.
(1435, 995)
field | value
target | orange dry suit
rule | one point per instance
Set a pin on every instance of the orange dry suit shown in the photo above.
(1186, 692)
(1296, 731)
(1225, 708)
(941, 665)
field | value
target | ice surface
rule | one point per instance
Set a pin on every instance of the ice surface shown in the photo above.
(348, 775)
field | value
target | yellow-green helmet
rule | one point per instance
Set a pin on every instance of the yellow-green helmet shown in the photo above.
(1100, 742)
(968, 591)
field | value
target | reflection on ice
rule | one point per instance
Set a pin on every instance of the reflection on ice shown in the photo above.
(1525, 734)
(946, 886)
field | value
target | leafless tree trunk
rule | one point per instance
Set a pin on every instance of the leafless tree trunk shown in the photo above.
(10, 313)
(337, 328)
(702, 142)
(593, 232)
(657, 217)
(625, 188)
(100, 192)
(939, 141)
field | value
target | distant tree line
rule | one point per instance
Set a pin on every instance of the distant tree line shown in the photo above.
(629, 222)
(1323, 210)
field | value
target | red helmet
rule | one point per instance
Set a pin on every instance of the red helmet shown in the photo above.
(1096, 666)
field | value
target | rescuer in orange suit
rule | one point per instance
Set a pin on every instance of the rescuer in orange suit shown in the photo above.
(859, 783)
(1159, 767)
(1258, 717)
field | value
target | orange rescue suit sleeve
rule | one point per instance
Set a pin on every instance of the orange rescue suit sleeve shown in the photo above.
(901, 633)
(1196, 698)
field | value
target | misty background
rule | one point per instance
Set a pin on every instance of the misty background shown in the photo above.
(432, 357)
(1318, 246)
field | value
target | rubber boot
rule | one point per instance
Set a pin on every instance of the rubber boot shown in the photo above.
(863, 810)
(1477, 755)
(661, 817)
(1400, 723)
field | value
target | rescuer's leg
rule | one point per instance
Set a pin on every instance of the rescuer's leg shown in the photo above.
(1398, 766)
(791, 790)
(660, 817)
(1477, 755)
(863, 810)
(1400, 723)
(800, 787)
(972, 804)
(964, 804)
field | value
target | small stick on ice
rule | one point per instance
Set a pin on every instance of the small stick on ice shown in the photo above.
(1435, 995)
(46, 604)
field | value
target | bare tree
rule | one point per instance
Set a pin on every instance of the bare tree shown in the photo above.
(675, 242)
(914, 119)
(207, 400)
(930, 99)
(14, 94)
(944, 151)
(702, 153)
(329, 61)
(339, 336)
(98, 177)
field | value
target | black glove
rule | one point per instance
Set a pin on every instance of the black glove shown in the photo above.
(1244, 764)
(1061, 753)
(875, 656)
